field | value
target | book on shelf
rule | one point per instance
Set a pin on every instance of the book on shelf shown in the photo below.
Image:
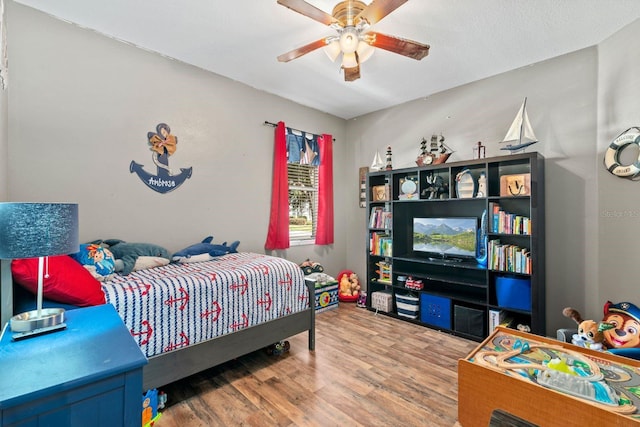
(495, 317)
(380, 244)
(506, 222)
(499, 318)
(507, 257)
(380, 218)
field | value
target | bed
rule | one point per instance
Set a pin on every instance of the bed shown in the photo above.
(190, 317)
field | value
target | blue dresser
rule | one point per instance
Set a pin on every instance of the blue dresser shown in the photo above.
(89, 374)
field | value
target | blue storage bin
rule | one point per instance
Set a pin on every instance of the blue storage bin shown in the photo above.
(513, 292)
(435, 310)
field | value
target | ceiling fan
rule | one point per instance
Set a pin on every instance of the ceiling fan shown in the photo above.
(352, 19)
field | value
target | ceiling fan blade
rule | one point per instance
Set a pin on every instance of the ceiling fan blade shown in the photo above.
(308, 10)
(302, 50)
(378, 9)
(399, 45)
(351, 74)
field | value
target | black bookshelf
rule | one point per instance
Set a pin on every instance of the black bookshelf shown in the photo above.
(460, 295)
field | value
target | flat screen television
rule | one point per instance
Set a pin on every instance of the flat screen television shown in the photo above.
(452, 238)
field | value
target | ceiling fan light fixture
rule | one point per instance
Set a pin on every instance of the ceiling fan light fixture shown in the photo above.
(349, 60)
(332, 50)
(349, 40)
(351, 20)
(365, 51)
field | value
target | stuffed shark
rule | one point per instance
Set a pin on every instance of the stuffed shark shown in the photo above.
(129, 253)
(204, 251)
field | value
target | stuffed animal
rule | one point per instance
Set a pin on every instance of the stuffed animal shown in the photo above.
(349, 285)
(204, 251)
(590, 333)
(278, 349)
(345, 285)
(309, 267)
(624, 337)
(129, 253)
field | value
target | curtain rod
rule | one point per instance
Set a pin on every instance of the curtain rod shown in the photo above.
(266, 123)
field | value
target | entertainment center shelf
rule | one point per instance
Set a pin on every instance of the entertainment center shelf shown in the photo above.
(461, 243)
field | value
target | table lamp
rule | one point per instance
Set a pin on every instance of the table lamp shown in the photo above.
(37, 230)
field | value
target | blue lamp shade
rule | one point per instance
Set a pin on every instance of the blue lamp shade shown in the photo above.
(31, 230)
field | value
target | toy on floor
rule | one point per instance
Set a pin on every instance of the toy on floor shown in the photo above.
(152, 401)
(309, 267)
(362, 300)
(278, 348)
(349, 285)
(590, 333)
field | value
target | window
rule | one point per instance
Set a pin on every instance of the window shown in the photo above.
(303, 201)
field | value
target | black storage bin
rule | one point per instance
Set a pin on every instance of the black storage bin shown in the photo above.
(469, 321)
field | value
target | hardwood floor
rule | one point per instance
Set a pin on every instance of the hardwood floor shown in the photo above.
(367, 370)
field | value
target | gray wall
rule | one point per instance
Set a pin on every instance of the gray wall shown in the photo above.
(618, 215)
(80, 105)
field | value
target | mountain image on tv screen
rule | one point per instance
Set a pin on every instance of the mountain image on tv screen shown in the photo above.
(445, 236)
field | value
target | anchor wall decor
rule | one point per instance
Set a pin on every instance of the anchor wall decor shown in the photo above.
(162, 144)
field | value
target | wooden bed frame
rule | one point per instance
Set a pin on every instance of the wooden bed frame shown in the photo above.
(168, 367)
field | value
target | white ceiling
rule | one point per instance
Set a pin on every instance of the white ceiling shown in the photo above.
(240, 39)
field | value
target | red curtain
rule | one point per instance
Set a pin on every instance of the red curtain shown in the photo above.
(278, 234)
(324, 228)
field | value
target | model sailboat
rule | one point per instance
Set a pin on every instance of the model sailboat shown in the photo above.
(438, 153)
(443, 150)
(377, 164)
(520, 134)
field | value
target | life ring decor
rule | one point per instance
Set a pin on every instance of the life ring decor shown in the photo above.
(612, 155)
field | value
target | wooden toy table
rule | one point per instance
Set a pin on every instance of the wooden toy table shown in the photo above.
(507, 369)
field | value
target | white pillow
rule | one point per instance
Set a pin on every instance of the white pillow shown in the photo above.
(193, 258)
(146, 262)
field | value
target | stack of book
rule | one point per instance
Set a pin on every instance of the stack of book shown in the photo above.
(506, 222)
(506, 257)
(379, 218)
(380, 244)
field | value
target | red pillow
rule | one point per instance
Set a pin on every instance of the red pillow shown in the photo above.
(68, 282)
